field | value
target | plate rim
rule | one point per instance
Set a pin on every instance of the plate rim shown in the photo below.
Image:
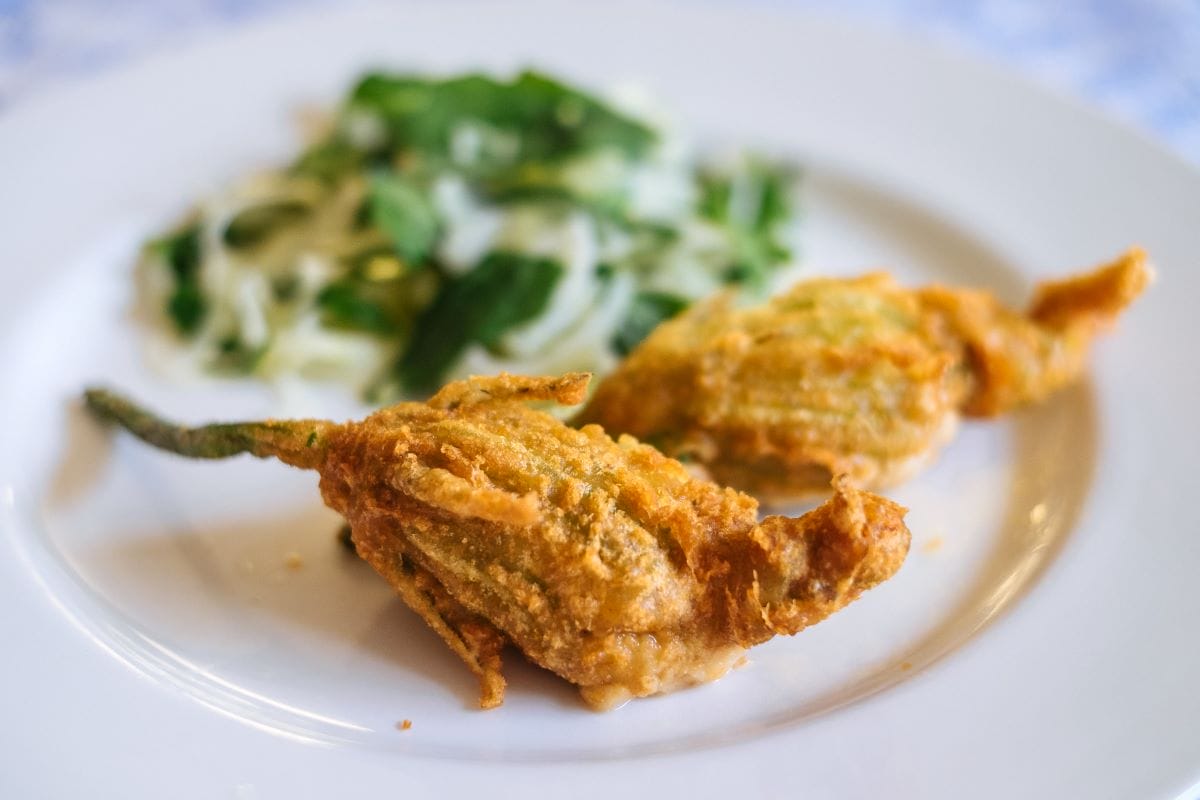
(24, 114)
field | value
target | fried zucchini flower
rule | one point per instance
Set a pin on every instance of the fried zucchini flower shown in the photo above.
(858, 377)
(601, 560)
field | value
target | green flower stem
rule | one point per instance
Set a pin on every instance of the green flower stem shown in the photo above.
(301, 443)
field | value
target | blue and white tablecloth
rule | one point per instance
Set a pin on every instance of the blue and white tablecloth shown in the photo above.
(1137, 59)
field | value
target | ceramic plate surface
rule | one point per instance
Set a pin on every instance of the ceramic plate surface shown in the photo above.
(1040, 641)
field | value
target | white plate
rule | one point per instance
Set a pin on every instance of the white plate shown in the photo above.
(1039, 642)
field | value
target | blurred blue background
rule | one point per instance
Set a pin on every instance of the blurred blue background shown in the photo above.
(1138, 60)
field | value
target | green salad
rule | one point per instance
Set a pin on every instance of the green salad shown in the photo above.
(466, 225)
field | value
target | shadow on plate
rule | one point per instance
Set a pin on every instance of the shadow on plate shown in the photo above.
(1054, 460)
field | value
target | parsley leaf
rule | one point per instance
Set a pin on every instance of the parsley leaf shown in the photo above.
(351, 305)
(749, 203)
(609, 209)
(253, 226)
(401, 210)
(235, 356)
(186, 305)
(502, 291)
(649, 309)
(375, 295)
(545, 119)
(329, 160)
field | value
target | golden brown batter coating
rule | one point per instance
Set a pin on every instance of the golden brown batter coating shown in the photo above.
(601, 560)
(850, 376)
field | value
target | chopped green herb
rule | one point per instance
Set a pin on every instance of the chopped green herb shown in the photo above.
(381, 230)
(610, 209)
(253, 226)
(503, 291)
(560, 121)
(234, 355)
(513, 190)
(362, 218)
(545, 120)
(343, 305)
(401, 210)
(186, 305)
(757, 255)
(358, 262)
(329, 161)
(374, 296)
(750, 203)
(649, 309)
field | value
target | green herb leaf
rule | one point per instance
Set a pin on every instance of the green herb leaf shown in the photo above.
(234, 355)
(253, 226)
(351, 305)
(545, 119)
(401, 210)
(561, 121)
(510, 189)
(749, 203)
(368, 298)
(649, 309)
(504, 290)
(186, 305)
(329, 161)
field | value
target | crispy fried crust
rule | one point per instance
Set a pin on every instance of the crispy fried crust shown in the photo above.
(472, 638)
(601, 560)
(1015, 359)
(858, 376)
